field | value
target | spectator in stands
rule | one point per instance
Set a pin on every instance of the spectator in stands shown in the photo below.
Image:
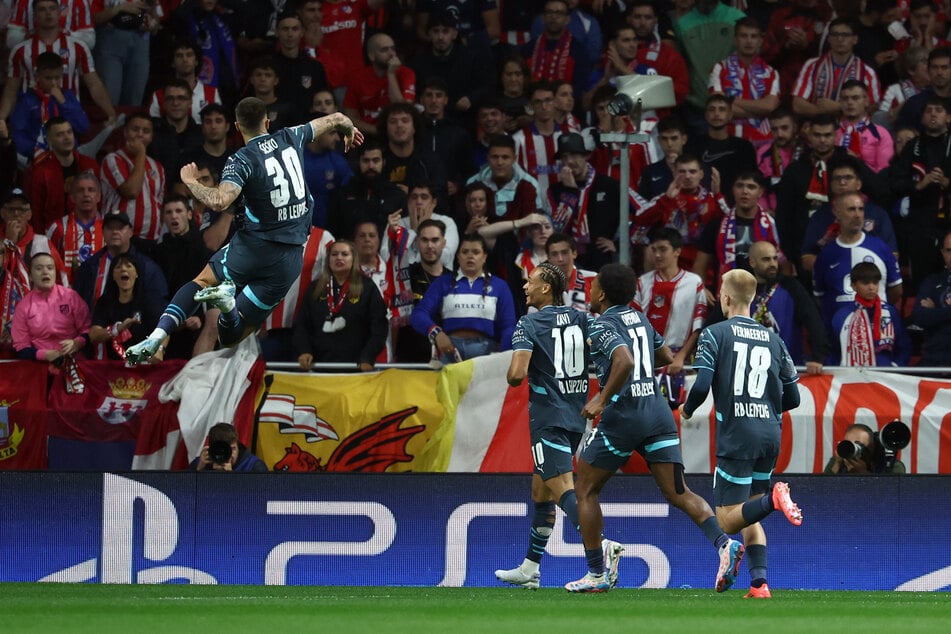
(176, 134)
(385, 81)
(469, 314)
(326, 171)
(562, 251)
(922, 27)
(687, 206)
(368, 195)
(479, 22)
(932, 312)
(870, 331)
(133, 182)
(773, 159)
(584, 204)
(821, 78)
(181, 253)
(871, 460)
(447, 140)
(411, 346)
(705, 35)
(77, 22)
(44, 100)
(851, 247)
(535, 252)
(675, 303)
(53, 173)
(467, 78)
(186, 60)
(123, 37)
(77, 58)
(793, 36)
(51, 321)
(406, 161)
(583, 27)
(264, 80)
(217, 227)
(215, 127)
(657, 177)
(515, 195)
(78, 234)
(725, 246)
(300, 75)
(324, 101)
(751, 83)
(93, 274)
(343, 317)
(656, 53)
(783, 305)
(491, 121)
(126, 313)
(20, 238)
(861, 137)
(804, 186)
(514, 77)
(555, 54)
(277, 332)
(421, 205)
(719, 149)
(913, 74)
(240, 458)
(201, 21)
(564, 107)
(922, 173)
(534, 143)
(844, 178)
(344, 24)
(939, 85)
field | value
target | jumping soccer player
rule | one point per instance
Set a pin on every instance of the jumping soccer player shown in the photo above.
(635, 416)
(265, 256)
(551, 350)
(754, 382)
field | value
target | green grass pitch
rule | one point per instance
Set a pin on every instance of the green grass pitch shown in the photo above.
(276, 610)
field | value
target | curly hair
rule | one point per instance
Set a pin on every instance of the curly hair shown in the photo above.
(554, 277)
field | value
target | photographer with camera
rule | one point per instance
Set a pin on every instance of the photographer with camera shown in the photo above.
(862, 451)
(223, 452)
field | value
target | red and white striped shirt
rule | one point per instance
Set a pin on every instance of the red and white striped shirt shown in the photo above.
(76, 241)
(315, 256)
(675, 307)
(535, 152)
(77, 60)
(202, 95)
(145, 211)
(820, 78)
(75, 20)
(578, 293)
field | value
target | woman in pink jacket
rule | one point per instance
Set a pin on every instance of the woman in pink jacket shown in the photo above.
(51, 321)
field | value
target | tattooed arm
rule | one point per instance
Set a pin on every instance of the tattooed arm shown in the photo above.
(217, 198)
(340, 122)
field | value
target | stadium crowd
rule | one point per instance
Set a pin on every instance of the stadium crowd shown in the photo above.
(809, 145)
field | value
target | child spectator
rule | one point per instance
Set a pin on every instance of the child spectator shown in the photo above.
(870, 332)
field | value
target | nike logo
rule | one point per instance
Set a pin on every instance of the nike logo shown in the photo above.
(654, 179)
(833, 265)
(709, 158)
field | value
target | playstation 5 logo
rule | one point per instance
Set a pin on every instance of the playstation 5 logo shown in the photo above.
(159, 539)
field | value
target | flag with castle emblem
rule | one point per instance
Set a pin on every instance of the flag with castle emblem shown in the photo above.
(98, 428)
(22, 415)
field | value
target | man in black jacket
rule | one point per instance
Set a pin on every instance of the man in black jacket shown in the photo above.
(584, 204)
(368, 195)
(922, 174)
(405, 160)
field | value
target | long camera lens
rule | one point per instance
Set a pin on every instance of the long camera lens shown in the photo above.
(848, 449)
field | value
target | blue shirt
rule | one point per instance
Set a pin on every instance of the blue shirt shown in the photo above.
(830, 274)
(270, 172)
(485, 305)
(558, 371)
(325, 173)
(877, 223)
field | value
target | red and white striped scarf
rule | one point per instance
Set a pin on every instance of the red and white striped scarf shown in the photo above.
(553, 64)
(859, 339)
(764, 228)
(570, 211)
(79, 242)
(16, 284)
(829, 78)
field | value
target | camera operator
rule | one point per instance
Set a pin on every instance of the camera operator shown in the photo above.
(861, 452)
(223, 452)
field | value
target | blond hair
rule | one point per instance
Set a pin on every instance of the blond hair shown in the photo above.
(740, 286)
